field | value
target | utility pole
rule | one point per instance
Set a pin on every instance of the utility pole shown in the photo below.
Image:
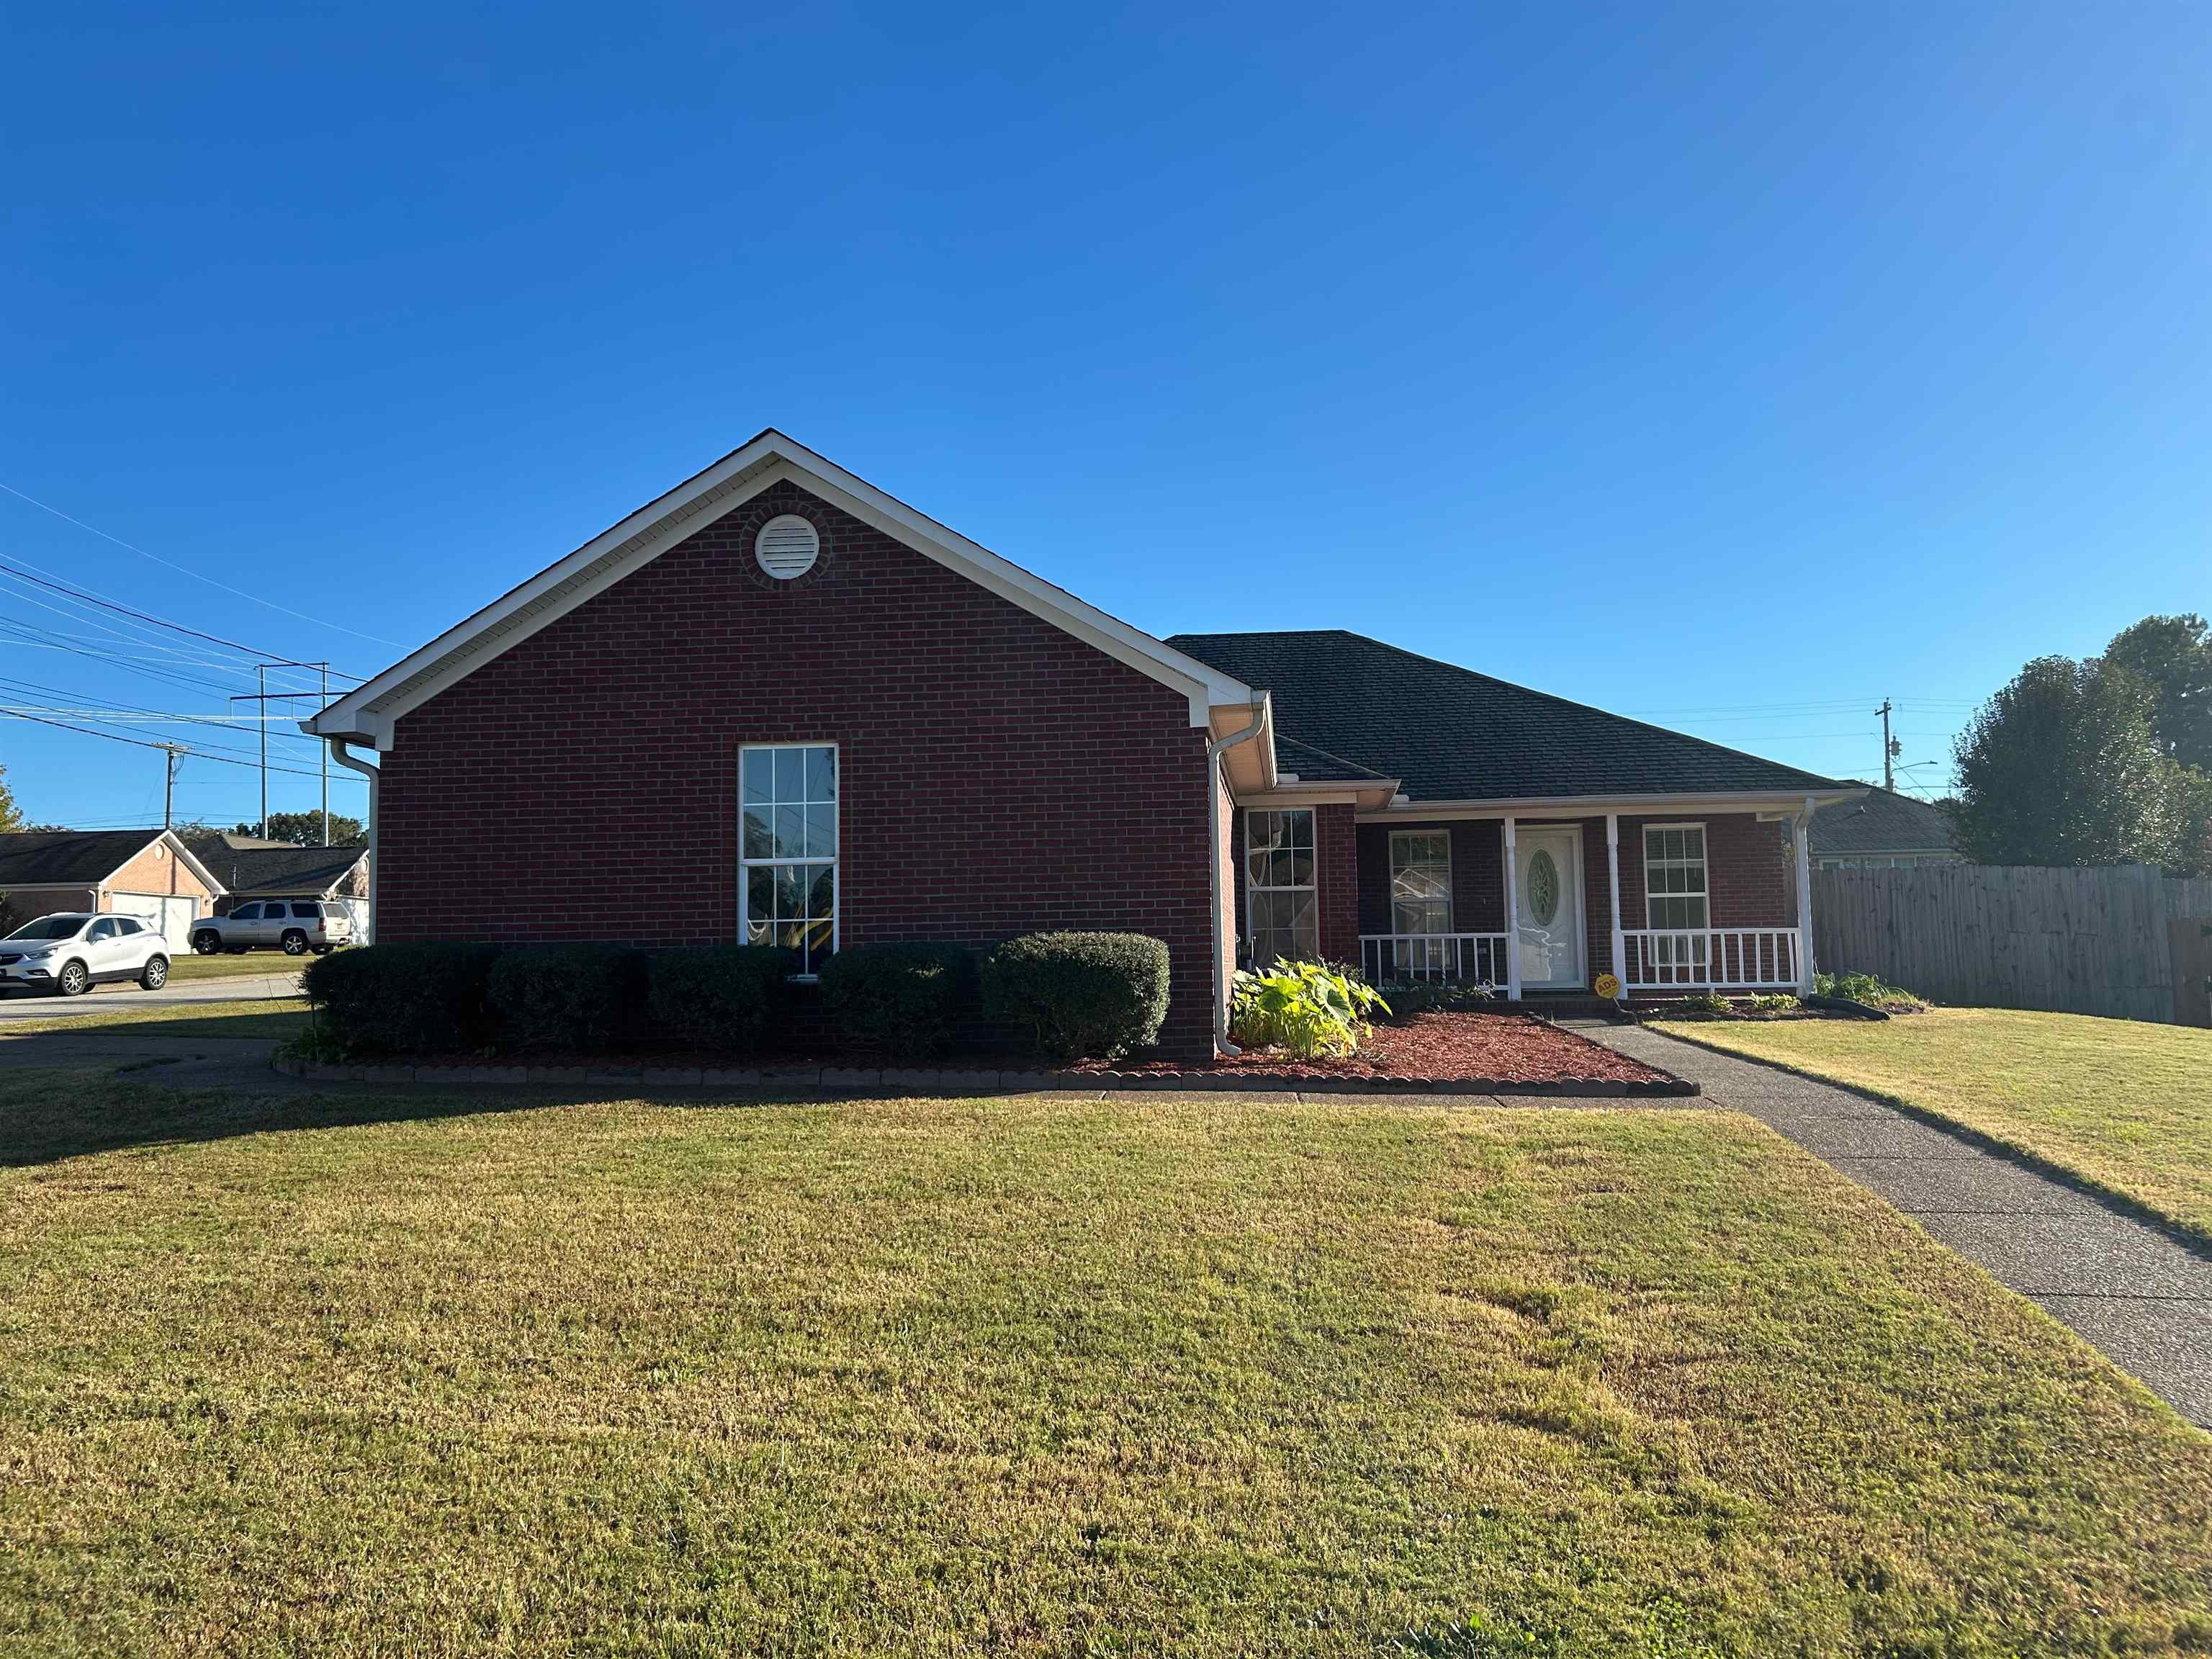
(261, 700)
(326, 750)
(175, 752)
(1890, 749)
(262, 686)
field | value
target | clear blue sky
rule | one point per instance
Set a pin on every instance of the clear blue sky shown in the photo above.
(1740, 367)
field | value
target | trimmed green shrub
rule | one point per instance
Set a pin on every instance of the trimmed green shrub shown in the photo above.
(1873, 991)
(900, 997)
(719, 996)
(1405, 1000)
(423, 998)
(1081, 995)
(585, 997)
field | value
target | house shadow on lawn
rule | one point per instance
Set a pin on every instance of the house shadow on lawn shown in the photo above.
(73, 1102)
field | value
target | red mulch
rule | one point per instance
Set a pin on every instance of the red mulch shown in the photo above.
(1502, 1048)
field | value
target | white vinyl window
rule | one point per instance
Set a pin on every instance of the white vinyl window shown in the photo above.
(787, 886)
(1282, 921)
(1675, 895)
(1420, 881)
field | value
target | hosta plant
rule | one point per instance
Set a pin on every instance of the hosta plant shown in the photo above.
(1307, 1008)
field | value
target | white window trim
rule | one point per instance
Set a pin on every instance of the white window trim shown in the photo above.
(1451, 893)
(1705, 863)
(1252, 889)
(835, 860)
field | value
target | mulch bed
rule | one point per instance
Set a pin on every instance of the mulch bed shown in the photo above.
(1435, 1052)
(1438, 1048)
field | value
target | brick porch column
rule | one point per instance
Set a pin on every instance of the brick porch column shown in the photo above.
(1336, 879)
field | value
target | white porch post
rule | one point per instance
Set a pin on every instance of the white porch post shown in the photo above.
(1512, 920)
(1804, 900)
(1613, 876)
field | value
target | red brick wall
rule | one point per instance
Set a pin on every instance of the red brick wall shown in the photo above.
(997, 775)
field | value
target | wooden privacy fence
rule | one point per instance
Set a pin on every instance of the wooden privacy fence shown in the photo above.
(2124, 941)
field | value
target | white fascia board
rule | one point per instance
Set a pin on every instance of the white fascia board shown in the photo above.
(1725, 800)
(371, 710)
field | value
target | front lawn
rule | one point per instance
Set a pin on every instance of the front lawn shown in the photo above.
(187, 970)
(1202, 1376)
(261, 1017)
(2124, 1104)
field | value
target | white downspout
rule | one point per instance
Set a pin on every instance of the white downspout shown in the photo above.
(1214, 781)
(339, 754)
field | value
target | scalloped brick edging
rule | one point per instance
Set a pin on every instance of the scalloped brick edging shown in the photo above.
(954, 1080)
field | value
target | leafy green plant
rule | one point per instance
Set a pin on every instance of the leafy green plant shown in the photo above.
(1305, 1007)
(1778, 1002)
(1704, 1002)
(1867, 988)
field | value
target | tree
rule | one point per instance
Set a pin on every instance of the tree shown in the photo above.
(11, 815)
(306, 829)
(2174, 653)
(2061, 767)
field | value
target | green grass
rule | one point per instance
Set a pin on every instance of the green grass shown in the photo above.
(1210, 1376)
(266, 1017)
(186, 969)
(2123, 1105)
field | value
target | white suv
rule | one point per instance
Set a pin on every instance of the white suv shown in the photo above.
(72, 952)
(294, 926)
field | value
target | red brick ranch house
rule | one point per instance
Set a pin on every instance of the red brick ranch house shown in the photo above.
(777, 704)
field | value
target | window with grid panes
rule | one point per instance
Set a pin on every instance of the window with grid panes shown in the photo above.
(787, 891)
(1281, 919)
(1675, 891)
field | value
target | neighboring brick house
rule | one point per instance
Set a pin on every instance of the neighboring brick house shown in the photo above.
(778, 704)
(147, 874)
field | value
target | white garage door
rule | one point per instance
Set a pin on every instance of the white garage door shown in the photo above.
(171, 918)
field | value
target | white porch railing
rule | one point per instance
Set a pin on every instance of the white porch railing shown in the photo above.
(1669, 958)
(1478, 958)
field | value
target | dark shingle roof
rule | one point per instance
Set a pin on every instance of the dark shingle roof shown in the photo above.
(38, 857)
(275, 869)
(1313, 765)
(1452, 734)
(1883, 822)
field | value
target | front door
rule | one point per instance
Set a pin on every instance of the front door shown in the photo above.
(1547, 872)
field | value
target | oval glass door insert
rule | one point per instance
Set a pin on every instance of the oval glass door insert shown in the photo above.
(1543, 887)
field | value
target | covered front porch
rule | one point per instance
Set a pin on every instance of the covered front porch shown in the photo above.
(1664, 903)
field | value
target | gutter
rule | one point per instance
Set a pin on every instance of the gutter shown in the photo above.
(1214, 781)
(353, 763)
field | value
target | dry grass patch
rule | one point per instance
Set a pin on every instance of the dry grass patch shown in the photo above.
(1050, 1376)
(2124, 1104)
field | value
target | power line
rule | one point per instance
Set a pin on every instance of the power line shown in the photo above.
(143, 742)
(255, 598)
(84, 597)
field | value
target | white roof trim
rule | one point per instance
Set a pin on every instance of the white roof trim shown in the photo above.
(1781, 802)
(372, 710)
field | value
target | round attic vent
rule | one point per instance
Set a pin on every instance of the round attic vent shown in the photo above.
(787, 546)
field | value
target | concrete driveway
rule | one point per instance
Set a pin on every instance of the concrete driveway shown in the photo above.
(19, 1005)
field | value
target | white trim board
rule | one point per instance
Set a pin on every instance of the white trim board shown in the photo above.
(371, 711)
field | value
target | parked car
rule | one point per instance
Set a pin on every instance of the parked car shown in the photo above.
(70, 953)
(294, 926)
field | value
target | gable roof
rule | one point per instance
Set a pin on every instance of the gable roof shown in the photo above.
(369, 712)
(1883, 822)
(82, 858)
(1453, 735)
(248, 870)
